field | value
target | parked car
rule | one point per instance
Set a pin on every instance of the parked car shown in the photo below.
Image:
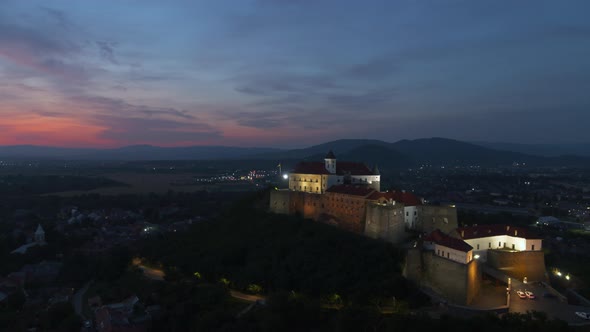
(529, 294)
(583, 315)
(521, 294)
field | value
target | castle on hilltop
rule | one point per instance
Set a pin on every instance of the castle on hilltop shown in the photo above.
(446, 258)
(347, 195)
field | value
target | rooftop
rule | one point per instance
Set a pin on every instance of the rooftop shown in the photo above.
(479, 231)
(348, 189)
(405, 198)
(443, 239)
(342, 168)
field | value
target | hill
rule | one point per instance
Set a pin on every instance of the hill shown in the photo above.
(433, 151)
(398, 155)
(443, 151)
(546, 150)
(283, 253)
(339, 147)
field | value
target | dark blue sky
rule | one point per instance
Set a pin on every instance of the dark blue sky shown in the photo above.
(292, 73)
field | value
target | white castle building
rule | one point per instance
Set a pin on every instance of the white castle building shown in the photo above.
(317, 177)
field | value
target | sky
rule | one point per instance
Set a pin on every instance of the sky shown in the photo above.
(292, 73)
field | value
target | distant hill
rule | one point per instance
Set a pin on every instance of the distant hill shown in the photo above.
(451, 152)
(135, 152)
(435, 151)
(382, 156)
(339, 147)
(398, 155)
(547, 150)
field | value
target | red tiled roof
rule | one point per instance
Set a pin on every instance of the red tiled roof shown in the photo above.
(475, 232)
(345, 167)
(350, 190)
(442, 239)
(306, 167)
(342, 167)
(405, 198)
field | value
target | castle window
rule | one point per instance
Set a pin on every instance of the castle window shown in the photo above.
(490, 245)
(532, 247)
(499, 244)
(407, 214)
(478, 247)
(513, 246)
(438, 252)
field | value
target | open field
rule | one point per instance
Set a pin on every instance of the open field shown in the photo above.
(156, 183)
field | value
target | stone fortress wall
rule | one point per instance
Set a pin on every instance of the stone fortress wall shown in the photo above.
(431, 217)
(456, 282)
(519, 264)
(357, 214)
(385, 222)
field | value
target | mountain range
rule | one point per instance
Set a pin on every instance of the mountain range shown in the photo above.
(397, 155)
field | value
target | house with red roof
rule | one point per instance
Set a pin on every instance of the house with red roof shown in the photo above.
(448, 247)
(504, 237)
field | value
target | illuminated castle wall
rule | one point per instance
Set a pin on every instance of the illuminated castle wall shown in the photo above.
(347, 195)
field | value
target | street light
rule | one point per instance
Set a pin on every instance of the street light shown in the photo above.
(285, 176)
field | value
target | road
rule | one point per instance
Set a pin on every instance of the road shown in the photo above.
(247, 297)
(149, 272)
(552, 306)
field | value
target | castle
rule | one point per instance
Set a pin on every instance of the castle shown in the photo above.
(347, 195)
(447, 259)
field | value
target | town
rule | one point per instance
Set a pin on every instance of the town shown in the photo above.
(473, 240)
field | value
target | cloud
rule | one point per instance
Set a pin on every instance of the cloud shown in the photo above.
(273, 84)
(59, 16)
(119, 106)
(130, 130)
(377, 68)
(107, 51)
(40, 49)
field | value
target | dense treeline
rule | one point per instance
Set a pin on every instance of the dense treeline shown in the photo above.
(279, 253)
(208, 307)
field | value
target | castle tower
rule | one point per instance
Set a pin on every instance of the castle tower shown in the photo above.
(330, 162)
(376, 183)
(40, 235)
